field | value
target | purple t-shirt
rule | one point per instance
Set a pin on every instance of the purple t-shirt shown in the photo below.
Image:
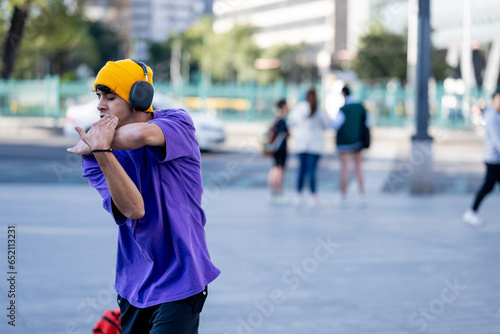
(163, 256)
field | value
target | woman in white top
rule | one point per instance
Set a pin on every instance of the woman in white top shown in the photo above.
(308, 123)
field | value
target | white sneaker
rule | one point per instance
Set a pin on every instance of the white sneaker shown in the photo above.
(341, 202)
(315, 202)
(471, 218)
(297, 200)
(362, 201)
(273, 199)
(280, 200)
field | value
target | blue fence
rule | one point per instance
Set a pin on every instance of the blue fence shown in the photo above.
(389, 104)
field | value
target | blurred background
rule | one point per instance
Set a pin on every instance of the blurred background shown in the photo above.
(228, 62)
(235, 58)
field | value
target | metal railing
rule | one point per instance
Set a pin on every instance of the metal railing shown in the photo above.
(388, 103)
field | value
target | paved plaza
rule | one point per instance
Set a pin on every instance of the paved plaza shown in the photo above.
(403, 264)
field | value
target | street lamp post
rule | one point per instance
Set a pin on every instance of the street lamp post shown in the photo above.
(466, 64)
(411, 68)
(421, 180)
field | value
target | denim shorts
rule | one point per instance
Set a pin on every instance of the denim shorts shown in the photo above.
(349, 148)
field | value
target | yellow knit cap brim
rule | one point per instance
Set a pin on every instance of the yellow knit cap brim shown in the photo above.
(120, 76)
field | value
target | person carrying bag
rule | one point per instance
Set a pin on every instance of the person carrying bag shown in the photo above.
(277, 148)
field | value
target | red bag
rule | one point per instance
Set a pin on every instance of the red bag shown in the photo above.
(109, 323)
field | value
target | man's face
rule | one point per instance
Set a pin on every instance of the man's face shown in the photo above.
(112, 104)
(496, 102)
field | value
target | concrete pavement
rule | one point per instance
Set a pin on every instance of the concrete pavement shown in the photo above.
(404, 264)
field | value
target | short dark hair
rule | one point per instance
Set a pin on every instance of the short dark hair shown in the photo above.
(104, 89)
(346, 91)
(281, 103)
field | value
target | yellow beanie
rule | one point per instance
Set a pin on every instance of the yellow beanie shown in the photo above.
(120, 76)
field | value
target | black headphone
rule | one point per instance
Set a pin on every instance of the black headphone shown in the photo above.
(141, 93)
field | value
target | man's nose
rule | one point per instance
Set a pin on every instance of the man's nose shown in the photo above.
(102, 104)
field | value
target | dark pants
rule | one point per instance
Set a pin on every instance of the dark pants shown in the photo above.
(492, 176)
(280, 158)
(307, 169)
(179, 317)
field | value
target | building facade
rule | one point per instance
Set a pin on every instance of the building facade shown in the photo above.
(455, 24)
(311, 22)
(145, 21)
(329, 27)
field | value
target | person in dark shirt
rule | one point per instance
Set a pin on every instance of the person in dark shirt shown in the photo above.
(277, 172)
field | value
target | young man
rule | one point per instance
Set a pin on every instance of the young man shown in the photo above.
(491, 156)
(146, 167)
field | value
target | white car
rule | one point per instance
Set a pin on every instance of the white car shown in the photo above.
(209, 133)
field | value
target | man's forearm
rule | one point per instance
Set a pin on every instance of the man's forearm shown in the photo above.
(128, 137)
(135, 135)
(126, 197)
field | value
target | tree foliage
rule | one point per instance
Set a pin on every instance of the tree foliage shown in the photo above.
(290, 69)
(14, 36)
(63, 38)
(222, 57)
(226, 57)
(58, 38)
(108, 43)
(382, 54)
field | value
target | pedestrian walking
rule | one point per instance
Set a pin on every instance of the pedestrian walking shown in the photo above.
(146, 166)
(351, 126)
(279, 134)
(491, 117)
(309, 122)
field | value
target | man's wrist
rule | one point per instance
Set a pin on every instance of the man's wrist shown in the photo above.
(102, 150)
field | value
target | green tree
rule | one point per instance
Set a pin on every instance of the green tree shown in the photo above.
(109, 44)
(228, 57)
(440, 68)
(20, 10)
(56, 41)
(223, 57)
(382, 54)
(289, 69)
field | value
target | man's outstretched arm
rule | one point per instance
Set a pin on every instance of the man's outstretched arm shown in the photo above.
(128, 137)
